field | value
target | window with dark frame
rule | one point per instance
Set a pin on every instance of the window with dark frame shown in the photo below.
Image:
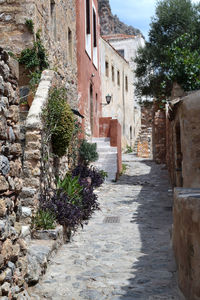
(88, 29)
(107, 68)
(96, 103)
(118, 78)
(113, 74)
(126, 83)
(94, 29)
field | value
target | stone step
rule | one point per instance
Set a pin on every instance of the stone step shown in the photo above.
(38, 255)
(106, 149)
(107, 155)
(97, 140)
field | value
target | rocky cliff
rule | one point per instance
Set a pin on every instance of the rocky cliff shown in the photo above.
(111, 24)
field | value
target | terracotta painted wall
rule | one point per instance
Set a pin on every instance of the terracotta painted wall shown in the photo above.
(88, 74)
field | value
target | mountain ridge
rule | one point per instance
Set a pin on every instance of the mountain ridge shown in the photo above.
(111, 24)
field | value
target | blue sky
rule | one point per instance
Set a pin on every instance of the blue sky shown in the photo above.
(137, 13)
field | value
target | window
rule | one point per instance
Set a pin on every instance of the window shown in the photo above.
(53, 19)
(70, 43)
(118, 78)
(121, 52)
(113, 74)
(95, 56)
(107, 68)
(94, 29)
(96, 103)
(126, 83)
(88, 30)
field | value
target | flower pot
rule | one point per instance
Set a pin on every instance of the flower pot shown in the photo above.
(24, 107)
(30, 98)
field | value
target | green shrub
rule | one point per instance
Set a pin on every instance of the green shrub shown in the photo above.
(87, 152)
(128, 149)
(44, 219)
(59, 120)
(30, 25)
(70, 185)
(35, 58)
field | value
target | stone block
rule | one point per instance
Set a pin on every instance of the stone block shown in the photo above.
(14, 113)
(33, 155)
(15, 168)
(3, 184)
(3, 208)
(3, 128)
(4, 165)
(16, 149)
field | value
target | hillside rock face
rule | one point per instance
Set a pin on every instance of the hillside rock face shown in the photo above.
(111, 24)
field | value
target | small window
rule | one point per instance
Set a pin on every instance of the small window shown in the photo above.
(96, 103)
(113, 74)
(107, 68)
(88, 30)
(121, 52)
(94, 29)
(126, 83)
(118, 78)
(70, 43)
(53, 19)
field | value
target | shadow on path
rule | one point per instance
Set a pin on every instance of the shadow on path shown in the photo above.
(153, 274)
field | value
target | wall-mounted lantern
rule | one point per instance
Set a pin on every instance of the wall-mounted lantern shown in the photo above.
(108, 99)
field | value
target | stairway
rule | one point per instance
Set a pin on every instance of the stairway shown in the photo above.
(107, 157)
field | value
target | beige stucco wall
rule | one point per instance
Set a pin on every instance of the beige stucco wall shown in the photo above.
(14, 35)
(122, 103)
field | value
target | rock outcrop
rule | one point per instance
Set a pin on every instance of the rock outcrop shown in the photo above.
(110, 24)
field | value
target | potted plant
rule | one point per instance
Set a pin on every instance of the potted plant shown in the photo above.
(24, 107)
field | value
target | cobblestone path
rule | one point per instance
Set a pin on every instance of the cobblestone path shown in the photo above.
(125, 260)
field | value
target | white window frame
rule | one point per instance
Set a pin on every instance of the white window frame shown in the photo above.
(95, 49)
(88, 36)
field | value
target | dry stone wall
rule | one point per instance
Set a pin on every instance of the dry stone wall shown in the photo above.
(13, 262)
(56, 21)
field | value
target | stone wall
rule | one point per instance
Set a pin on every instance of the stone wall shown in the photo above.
(183, 131)
(159, 136)
(13, 261)
(143, 145)
(57, 22)
(186, 240)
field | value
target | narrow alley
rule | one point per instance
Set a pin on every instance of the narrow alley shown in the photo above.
(124, 252)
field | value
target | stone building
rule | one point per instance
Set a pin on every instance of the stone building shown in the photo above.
(56, 21)
(116, 80)
(183, 162)
(89, 82)
(183, 150)
(21, 134)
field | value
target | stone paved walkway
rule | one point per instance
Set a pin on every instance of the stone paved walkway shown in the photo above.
(127, 260)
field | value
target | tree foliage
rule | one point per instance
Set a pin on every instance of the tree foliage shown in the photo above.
(171, 54)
